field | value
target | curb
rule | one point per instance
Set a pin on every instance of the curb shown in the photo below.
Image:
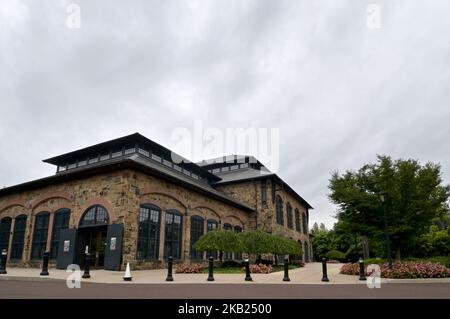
(35, 279)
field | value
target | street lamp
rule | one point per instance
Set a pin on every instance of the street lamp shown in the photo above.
(382, 196)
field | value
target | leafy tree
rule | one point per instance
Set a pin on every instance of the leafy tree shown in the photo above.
(415, 195)
(315, 228)
(218, 240)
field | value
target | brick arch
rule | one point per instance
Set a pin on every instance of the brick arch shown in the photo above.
(9, 205)
(97, 201)
(56, 194)
(226, 219)
(150, 191)
(209, 209)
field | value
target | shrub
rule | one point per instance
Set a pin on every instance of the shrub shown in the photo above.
(335, 255)
(232, 263)
(374, 261)
(443, 260)
(189, 269)
(404, 270)
(260, 269)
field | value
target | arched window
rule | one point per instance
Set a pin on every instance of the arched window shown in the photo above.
(289, 216)
(60, 221)
(20, 224)
(238, 229)
(40, 234)
(197, 230)
(227, 256)
(297, 220)
(172, 240)
(148, 234)
(305, 224)
(279, 210)
(5, 230)
(212, 225)
(95, 216)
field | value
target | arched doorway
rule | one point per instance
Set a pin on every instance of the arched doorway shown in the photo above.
(92, 233)
(306, 251)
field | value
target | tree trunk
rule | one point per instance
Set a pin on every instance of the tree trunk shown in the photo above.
(397, 253)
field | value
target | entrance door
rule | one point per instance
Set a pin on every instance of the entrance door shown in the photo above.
(67, 248)
(113, 251)
(94, 238)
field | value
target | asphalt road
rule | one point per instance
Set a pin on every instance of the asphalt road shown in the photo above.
(30, 290)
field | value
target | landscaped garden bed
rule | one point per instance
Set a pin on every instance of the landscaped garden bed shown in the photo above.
(254, 269)
(403, 270)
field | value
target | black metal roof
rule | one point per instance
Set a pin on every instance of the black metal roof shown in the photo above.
(133, 161)
(128, 141)
(256, 169)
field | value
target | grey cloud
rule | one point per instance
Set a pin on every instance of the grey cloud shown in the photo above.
(339, 92)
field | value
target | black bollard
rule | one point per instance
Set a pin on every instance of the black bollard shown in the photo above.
(211, 269)
(324, 270)
(247, 271)
(286, 270)
(362, 273)
(169, 269)
(3, 262)
(87, 261)
(44, 271)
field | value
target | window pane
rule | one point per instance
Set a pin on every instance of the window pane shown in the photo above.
(5, 230)
(197, 230)
(60, 221)
(148, 235)
(172, 240)
(40, 236)
(18, 237)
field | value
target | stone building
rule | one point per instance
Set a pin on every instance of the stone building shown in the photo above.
(133, 200)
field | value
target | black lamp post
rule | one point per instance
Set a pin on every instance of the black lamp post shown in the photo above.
(382, 196)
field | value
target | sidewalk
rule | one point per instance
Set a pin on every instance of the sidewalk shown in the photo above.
(310, 274)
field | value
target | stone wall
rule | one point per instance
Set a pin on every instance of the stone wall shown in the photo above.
(250, 193)
(121, 193)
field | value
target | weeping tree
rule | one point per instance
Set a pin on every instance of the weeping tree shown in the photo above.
(218, 240)
(258, 242)
(285, 246)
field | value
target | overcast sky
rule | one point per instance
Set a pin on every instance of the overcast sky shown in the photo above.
(339, 89)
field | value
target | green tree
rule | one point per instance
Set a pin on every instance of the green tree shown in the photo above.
(415, 195)
(315, 228)
(219, 240)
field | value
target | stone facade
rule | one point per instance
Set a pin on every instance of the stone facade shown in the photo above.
(127, 174)
(250, 192)
(121, 193)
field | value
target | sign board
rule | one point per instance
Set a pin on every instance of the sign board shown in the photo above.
(113, 243)
(66, 246)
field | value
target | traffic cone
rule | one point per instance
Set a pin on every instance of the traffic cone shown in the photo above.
(127, 276)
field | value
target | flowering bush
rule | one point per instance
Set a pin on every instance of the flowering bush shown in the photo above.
(404, 270)
(189, 269)
(260, 269)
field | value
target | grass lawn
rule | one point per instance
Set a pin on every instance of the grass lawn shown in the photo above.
(239, 270)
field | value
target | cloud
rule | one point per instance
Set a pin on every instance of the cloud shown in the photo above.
(339, 92)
